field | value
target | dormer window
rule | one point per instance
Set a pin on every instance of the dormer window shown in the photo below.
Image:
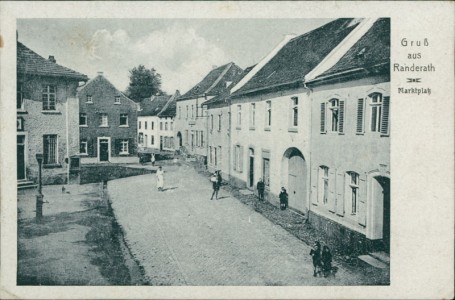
(117, 100)
(89, 99)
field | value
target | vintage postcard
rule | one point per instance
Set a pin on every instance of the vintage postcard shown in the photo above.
(227, 150)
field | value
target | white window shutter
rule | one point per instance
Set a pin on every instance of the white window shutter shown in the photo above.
(314, 185)
(360, 116)
(340, 194)
(323, 119)
(385, 115)
(235, 157)
(332, 191)
(341, 118)
(241, 159)
(362, 205)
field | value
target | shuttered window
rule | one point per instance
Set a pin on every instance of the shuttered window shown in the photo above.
(385, 116)
(323, 125)
(341, 118)
(360, 116)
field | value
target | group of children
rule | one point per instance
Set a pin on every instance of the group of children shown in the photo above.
(322, 259)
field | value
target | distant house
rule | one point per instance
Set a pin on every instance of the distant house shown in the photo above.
(47, 116)
(350, 142)
(191, 118)
(156, 124)
(219, 129)
(107, 123)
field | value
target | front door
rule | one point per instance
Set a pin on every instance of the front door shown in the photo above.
(296, 181)
(385, 184)
(103, 149)
(251, 169)
(20, 157)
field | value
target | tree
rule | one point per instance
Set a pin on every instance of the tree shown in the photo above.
(143, 83)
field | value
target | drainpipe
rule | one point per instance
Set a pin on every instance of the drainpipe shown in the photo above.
(230, 136)
(310, 148)
(67, 136)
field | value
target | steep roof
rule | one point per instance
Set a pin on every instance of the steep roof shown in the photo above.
(152, 106)
(30, 63)
(214, 82)
(170, 109)
(299, 56)
(221, 98)
(370, 50)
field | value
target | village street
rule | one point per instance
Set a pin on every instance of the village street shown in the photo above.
(180, 237)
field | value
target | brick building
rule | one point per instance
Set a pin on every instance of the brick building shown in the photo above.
(47, 117)
(107, 123)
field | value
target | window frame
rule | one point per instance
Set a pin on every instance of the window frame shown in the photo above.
(54, 152)
(117, 100)
(101, 120)
(124, 117)
(268, 114)
(89, 99)
(378, 115)
(353, 184)
(324, 185)
(334, 108)
(124, 142)
(294, 112)
(82, 142)
(83, 116)
(239, 116)
(47, 103)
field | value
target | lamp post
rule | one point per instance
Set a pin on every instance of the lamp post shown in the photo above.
(39, 196)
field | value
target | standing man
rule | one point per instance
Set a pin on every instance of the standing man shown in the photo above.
(216, 183)
(153, 159)
(283, 199)
(260, 187)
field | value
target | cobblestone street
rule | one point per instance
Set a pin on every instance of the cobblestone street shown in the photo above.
(180, 237)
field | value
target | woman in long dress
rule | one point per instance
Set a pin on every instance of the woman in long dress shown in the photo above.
(160, 179)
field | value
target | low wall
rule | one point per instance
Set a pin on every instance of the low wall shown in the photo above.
(104, 172)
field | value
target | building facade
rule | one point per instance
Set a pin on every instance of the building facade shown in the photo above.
(156, 124)
(350, 144)
(191, 116)
(47, 117)
(107, 124)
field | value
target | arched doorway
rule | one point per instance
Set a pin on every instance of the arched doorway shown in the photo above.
(381, 196)
(179, 137)
(294, 171)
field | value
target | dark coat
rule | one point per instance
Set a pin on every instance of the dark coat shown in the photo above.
(260, 186)
(283, 197)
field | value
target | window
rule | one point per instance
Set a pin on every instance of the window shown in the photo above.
(152, 140)
(219, 122)
(82, 119)
(334, 107)
(218, 163)
(210, 155)
(353, 191)
(153, 125)
(187, 112)
(83, 149)
(186, 137)
(124, 120)
(145, 140)
(239, 115)
(145, 125)
(268, 116)
(141, 138)
(50, 149)
(379, 113)
(192, 111)
(266, 171)
(197, 138)
(294, 111)
(49, 96)
(237, 158)
(323, 184)
(20, 97)
(140, 124)
(172, 125)
(202, 138)
(252, 115)
(211, 122)
(216, 155)
(124, 146)
(117, 100)
(165, 126)
(89, 99)
(103, 120)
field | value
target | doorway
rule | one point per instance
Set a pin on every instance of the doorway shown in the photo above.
(251, 168)
(21, 157)
(179, 136)
(384, 197)
(103, 149)
(294, 168)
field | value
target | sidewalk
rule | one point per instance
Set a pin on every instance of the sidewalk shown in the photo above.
(77, 242)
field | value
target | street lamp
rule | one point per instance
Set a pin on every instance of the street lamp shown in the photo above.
(39, 196)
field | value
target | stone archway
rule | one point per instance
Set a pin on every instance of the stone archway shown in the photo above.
(294, 178)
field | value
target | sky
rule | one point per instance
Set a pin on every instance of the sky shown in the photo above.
(183, 51)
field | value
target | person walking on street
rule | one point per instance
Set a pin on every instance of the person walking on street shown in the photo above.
(283, 199)
(153, 159)
(316, 255)
(216, 183)
(326, 259)
(160, 179)
(260, 187)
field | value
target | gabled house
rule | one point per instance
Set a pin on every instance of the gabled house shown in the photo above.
(47, 116)
(350, 142)
(156, 123)
(107, 123)
(218, 133)
(271, 115)
(191, 118)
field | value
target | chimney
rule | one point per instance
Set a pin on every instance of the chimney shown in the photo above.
(52, 59)
(100, 73)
